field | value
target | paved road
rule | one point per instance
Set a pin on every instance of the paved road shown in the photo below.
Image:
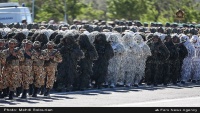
(144, 96)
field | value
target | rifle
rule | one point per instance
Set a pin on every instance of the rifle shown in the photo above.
(47, 62)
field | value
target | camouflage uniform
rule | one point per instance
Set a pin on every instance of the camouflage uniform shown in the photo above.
(11, 68)
(1, 79)
(154, 66)
(38, 68)
(50, 66)
(26, 68)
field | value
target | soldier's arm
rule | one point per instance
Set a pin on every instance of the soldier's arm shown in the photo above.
(20, 55)
(3, 58)
(44, 55)
(58, 57)
(33, 55)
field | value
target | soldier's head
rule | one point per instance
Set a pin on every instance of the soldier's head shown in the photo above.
(175, 39)
(100, 38)
(28, 44)
(194, 39)
(184, 38)
(113, 38)
(12, 43)
(42, 27)
(138, 38)
(50, 45)
(149, 36)
(36, 44)
(24, 41)
(167, 38)
(68, 39)
(155, 38)
(63, 28)
(2, 42)
(83, 41)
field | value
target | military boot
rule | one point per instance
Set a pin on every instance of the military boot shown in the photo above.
(42, 90)
(18, 91)
(35, 92)
(24, 96)
(30, 89)
(1, 94)
(4, 94)
(11, 95)
(47, 93)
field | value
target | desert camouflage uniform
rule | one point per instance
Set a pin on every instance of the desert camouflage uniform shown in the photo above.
(1, 63)
(26, 68)
(38, 69)
(11, 71)
(51, 65)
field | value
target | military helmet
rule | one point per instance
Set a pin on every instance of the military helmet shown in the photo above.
(28, 42)
(24, 41)
(42, 27)
(12, 41)
(51, 43)
(36, 43)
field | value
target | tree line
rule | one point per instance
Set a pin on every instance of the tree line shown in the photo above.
(143, 10)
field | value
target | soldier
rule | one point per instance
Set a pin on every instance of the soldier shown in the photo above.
(85, 64)
(19, 82)
(154, 66)
(187, 62)
(38, 67)
(182, 53)
(114, 75)
(71, 54)
(105, 53)
(50, 66)
(2, 47)
(26, 67)
(142, 60)
(12, 56)
(130, 61)
(195, 61)
(169, 64)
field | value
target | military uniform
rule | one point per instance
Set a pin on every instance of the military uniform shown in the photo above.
(50, 66)
(38, 68)
(154, 66)
(26, 68)
(1, 78)
(11, 68)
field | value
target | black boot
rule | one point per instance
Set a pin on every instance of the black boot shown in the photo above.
(5, 94)
(47, 93)
(30, 89)
(11, 95)
(24, 94)
(42, 90)
(35, 92)
(7, 91)
(1, 94)
(18, 91)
